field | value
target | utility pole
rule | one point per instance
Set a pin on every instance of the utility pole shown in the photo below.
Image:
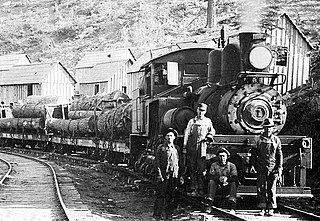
(215, 14)
(212, 14)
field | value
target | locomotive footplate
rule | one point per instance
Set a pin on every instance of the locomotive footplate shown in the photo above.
(284, 191)
(297, 159)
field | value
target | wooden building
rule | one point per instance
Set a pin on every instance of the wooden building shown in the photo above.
(42, 79)
(293, 54)
(7, 61)
(104, 71)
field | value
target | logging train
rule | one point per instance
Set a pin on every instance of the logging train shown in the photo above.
(233, 81)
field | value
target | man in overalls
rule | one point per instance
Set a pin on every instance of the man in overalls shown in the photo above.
(195, 147)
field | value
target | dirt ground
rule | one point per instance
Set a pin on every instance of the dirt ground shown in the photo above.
(109, 197)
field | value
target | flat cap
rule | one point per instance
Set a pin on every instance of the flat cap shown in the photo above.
(268, 123)
(170, 130)
(223, 150)
(202, 106)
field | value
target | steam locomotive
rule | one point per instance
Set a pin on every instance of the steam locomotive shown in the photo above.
(233, 81)
(239, 90)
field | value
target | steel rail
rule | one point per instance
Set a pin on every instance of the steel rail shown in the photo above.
(5, 176)
(223, 212)
(56, 183)
(300, 212)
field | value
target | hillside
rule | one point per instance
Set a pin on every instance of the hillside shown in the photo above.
(64, 30)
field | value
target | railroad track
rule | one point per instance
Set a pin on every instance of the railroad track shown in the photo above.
(34, 189)
(29, 193)
(196, 212)
(283, 212)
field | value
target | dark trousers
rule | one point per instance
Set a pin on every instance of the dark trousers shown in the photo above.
(231, 189)
(266, 191)
(3, 113)
(196, 166)
(165, 197)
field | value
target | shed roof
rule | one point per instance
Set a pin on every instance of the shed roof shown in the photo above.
(158, 52)
(92, 58)
(100, 72)
(7, 61)
(298, 29)
(28, 74)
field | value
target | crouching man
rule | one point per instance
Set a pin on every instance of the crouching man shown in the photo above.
(223, 175)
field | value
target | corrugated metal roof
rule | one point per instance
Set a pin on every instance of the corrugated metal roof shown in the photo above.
(101, 72)
(90, 59)
(27, 74)
(7, 61)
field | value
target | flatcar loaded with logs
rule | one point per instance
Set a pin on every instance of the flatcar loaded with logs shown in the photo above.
(91, 125)
(235, 83)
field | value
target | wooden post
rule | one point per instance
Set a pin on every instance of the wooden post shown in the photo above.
(209, 13)
(214, 14)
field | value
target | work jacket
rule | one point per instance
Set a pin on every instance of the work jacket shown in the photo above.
(268, 157)
(161, 160)
(228, 170)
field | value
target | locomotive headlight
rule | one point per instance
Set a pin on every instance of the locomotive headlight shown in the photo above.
(260, 57)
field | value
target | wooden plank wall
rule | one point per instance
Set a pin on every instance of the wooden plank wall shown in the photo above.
(58, 82)
(116, 81)
(298, 63)
(88, 89)
(134, 81)
(17, 93)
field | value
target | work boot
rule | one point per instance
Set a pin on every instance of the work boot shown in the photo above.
(232, 205)
(168, 217)
(209, 200)
(262, 212)
(270, 212)
(208, 209)
(193, 193)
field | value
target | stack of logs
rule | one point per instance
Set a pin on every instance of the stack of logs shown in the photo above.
(101, 115)
(26, 117)
(105, 116)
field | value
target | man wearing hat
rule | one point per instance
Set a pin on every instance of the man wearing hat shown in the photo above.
(267, 159)
(197, 131)
(169, 166)
(223, 175)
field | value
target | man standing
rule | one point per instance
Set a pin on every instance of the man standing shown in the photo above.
(195, 147)
(223, 175)
(169, 166)
(3, 110)
(267, 159)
